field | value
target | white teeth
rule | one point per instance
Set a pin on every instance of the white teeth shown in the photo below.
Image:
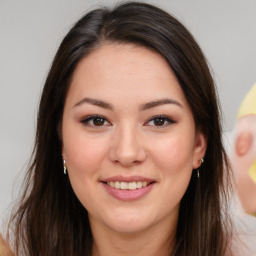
(127, 185)
(139, 184)
(124, 185)
(132, 185)
(144, 184)
(117, 185)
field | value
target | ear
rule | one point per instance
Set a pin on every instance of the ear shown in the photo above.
(199, 149)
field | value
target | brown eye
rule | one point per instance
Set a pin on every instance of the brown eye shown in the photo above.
(98, 121)
(94, 121)
(160, 121)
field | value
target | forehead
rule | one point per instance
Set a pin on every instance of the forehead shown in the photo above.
(128, 70)
(127, 59)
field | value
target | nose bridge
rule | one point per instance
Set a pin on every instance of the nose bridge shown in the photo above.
(127, 144)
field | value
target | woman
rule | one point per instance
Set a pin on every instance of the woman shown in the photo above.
(128, 157)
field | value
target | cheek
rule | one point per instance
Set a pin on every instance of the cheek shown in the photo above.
(175, 159)
(174, 153)
(83, 154)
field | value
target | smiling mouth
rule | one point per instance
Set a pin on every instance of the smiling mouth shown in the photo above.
(128, 188)
(128, 185)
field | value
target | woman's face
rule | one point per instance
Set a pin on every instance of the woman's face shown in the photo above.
(129, 139)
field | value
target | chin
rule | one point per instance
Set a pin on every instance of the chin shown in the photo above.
(128, 227)
(128, 222)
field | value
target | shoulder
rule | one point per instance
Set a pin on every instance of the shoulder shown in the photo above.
(5, 248)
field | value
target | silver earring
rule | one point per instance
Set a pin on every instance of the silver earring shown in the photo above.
(200, 161)
(64, 167)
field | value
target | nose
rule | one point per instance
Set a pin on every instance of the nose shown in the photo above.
(127, 148)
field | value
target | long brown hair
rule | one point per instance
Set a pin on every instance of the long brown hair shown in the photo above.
(50, 220)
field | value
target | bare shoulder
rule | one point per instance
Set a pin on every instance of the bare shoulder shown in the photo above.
(5, 248)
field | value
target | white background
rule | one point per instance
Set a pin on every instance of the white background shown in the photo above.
(30, 32)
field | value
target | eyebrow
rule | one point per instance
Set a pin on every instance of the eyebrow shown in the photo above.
(146, 106)
(157, 103)
(95, 102)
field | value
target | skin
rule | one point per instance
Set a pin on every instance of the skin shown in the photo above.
(129, 141)
(5, 248)
(243, 156)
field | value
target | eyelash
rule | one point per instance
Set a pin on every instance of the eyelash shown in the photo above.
(86, 121)
(162, 118)
(167, 121)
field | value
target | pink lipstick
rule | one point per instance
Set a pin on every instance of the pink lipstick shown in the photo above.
(128, 188)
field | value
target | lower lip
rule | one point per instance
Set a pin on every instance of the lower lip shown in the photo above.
(128, 195)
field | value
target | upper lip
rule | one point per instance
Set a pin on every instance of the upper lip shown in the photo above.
(127, 179)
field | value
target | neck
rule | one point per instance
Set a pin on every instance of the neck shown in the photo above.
(153, 241)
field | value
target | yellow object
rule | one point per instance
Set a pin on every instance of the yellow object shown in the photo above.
(248, 106)
(252, 171)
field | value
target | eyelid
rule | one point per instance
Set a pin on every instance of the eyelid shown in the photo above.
(167, 118)
(85, 121)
